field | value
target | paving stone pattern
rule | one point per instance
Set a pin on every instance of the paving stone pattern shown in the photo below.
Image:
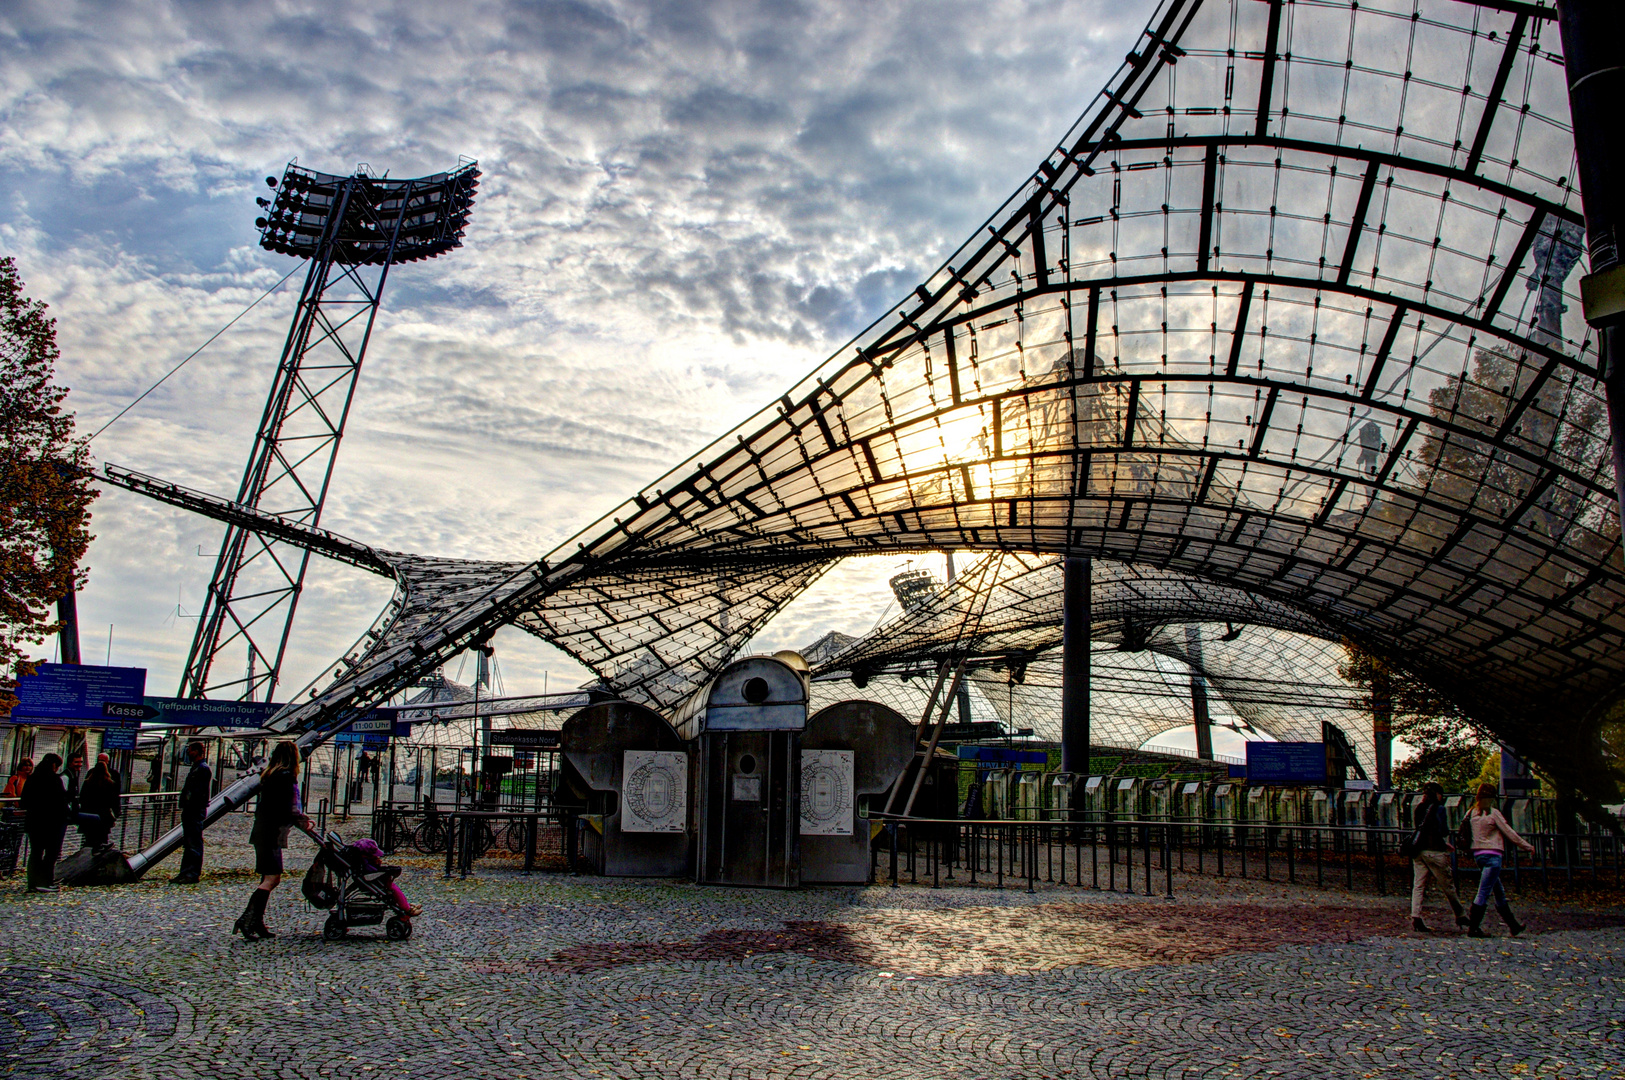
(516, 977)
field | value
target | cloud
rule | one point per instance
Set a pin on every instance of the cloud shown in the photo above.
(685, 206)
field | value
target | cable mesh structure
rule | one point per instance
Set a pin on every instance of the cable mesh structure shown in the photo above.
(1288, 310)
(1273, 666)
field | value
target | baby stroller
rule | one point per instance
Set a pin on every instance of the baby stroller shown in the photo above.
(341, 882)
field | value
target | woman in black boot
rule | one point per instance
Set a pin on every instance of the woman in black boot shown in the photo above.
(1490, 833)
(277, 811)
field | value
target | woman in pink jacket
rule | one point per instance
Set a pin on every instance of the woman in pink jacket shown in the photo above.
(1490, 834)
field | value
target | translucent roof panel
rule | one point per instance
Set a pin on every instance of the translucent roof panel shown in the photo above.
(1291, 309)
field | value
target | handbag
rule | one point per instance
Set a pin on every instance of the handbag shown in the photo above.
(1412, 844)
(1464, 833)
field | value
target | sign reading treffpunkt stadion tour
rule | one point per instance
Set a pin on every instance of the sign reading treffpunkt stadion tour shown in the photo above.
(826, 792)
(654, 791)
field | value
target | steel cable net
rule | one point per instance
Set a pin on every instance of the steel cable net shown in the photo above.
(1290, 310)
(1271, 667)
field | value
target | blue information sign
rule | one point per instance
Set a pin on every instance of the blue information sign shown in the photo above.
(119, 738)
(1286, 763)
(364, 739)
(75, 693)
(1003, 755)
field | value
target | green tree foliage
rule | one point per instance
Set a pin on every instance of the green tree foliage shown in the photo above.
(1449, 749)
(45, 491)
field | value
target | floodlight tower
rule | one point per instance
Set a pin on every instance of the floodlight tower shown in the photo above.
(352, 229)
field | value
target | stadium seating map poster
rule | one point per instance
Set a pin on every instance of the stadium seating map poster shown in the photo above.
(826, 793)
(654, 792)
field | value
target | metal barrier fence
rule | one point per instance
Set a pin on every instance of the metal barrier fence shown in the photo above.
(143, 818)
(464, 835)
(1145, 855)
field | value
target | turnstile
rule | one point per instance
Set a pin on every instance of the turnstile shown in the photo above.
(1029, 796)
(852, 752)
(1191, 801)
(996, 795)
(629, 774)
(1059, 804)
(1126, 798)
(750, 775)
(1095, 797)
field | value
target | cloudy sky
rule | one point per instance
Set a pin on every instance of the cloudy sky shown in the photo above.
(685, 206)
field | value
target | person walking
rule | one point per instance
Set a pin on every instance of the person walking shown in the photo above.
(1490, 832)
(1432, 856)
(194, 808)
(98, 806)
(278, 809)
(45, 804)
(14, 786)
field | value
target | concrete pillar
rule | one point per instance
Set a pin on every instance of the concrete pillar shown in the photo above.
(1075, 628)
(1382, 718)
(1199, 710)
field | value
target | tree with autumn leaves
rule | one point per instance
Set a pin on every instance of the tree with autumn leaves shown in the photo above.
(45, 491)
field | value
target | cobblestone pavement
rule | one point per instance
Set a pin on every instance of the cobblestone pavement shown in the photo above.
(515, 977)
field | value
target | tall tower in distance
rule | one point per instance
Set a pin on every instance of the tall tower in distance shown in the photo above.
(351, 229)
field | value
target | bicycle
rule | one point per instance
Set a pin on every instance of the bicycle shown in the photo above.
(430, 836)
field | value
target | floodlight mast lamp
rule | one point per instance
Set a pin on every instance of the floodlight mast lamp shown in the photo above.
(352, 229)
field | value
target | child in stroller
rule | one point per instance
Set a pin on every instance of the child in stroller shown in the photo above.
(353, 884)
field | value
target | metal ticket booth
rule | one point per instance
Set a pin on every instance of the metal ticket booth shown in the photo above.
(850, 752)
(630, 772)
(750, 775)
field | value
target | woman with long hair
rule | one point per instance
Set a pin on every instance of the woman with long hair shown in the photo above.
(98, 806)
(1432, 856)
(277, 811)
(1490, 832)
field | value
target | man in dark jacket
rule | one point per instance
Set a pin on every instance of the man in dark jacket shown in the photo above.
(194, 807)
(45, 802)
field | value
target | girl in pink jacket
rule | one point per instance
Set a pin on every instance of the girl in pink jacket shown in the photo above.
(1490, 835)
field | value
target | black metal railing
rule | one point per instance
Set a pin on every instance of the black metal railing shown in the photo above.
(1143, 856)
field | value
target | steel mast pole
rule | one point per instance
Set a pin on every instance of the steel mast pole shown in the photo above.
(1594, 58)
(1075, 626)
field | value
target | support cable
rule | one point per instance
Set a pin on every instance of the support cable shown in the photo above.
(193, 353)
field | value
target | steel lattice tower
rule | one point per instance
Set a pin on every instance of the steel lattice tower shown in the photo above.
(352, 229)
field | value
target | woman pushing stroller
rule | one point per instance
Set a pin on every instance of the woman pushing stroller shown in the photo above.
(278, 810)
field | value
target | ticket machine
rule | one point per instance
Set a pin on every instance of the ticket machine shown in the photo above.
(750, 775)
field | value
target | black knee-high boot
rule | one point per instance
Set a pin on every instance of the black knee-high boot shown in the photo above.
(260, 898)
(1455, 905)
(1475, 922)
(1513, 924)
(245, 922)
